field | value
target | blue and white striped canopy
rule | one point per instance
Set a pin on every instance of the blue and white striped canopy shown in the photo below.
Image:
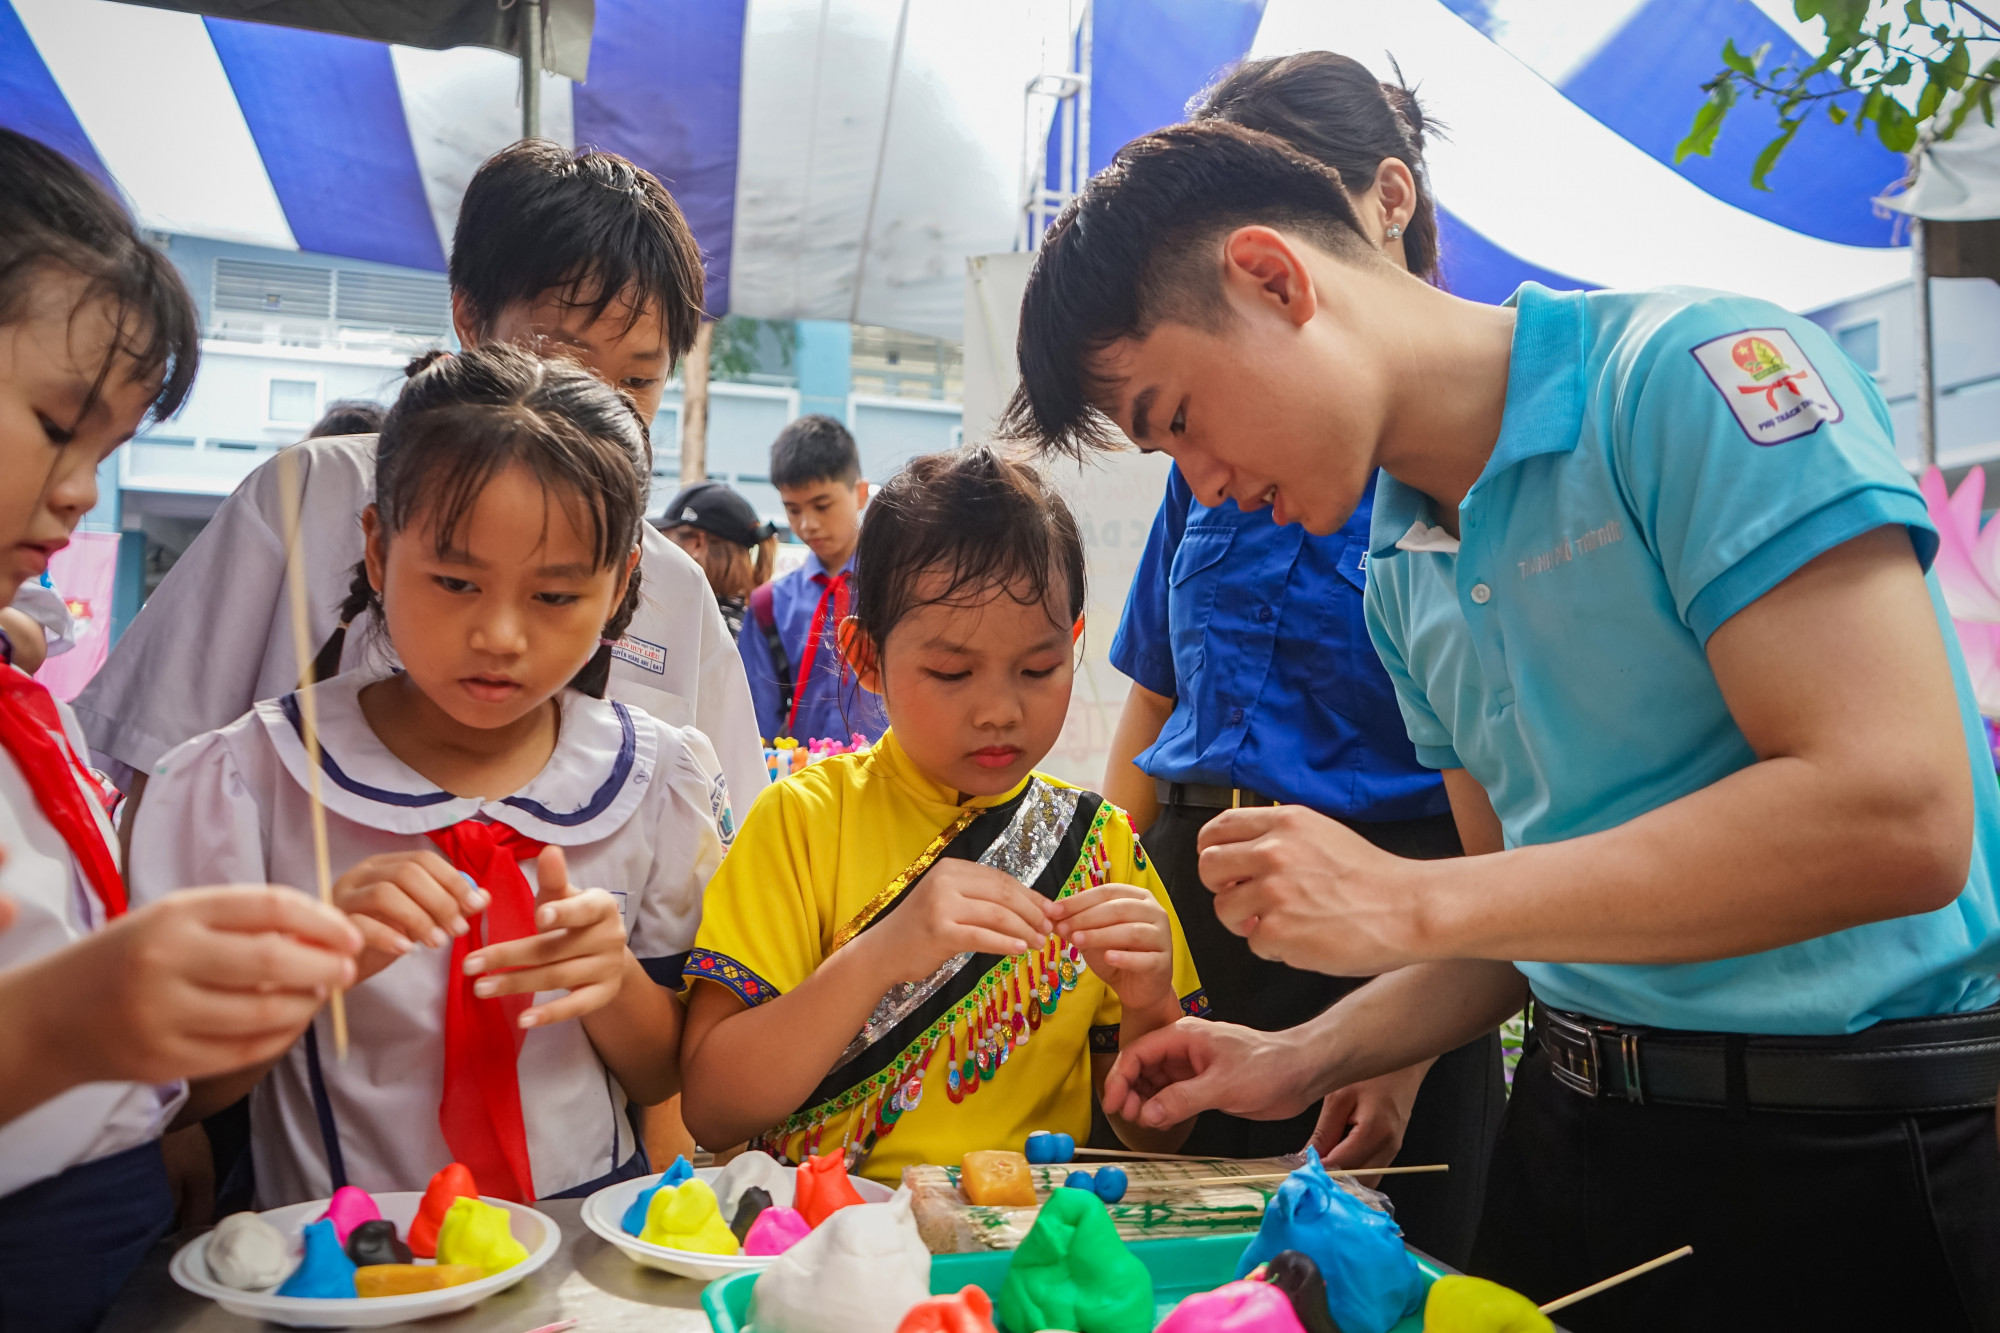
(840, 159)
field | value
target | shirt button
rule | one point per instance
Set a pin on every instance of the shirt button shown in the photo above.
(1481, 593)
(1264, 615)
(1235, 717)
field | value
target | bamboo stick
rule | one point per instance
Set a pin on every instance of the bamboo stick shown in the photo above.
(1615, 1279)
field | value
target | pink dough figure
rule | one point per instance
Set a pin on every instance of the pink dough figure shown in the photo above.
(349, 1208)
(1239, 1307)
(775, 1231)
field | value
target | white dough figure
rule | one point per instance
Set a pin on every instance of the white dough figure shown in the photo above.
(859, 1271)
(757, 1170)
(248, 1253)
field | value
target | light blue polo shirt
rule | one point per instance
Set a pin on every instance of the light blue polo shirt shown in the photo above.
(1665, 459)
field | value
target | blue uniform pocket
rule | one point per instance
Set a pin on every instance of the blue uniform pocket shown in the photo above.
(1194, 578)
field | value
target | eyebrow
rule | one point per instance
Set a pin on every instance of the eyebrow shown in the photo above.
(575, 569)
(1142, 405)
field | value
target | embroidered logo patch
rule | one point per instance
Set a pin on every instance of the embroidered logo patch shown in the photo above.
(718, 806)
(1768, 383)
(646, 656)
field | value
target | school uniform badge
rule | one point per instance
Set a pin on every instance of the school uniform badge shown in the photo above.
(1768, 382)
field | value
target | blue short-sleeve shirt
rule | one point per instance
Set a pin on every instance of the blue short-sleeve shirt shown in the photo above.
(1256, 633)
(1665, 459)
(832, 705)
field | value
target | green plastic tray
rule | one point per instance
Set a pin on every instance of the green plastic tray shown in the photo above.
(1180, 1268)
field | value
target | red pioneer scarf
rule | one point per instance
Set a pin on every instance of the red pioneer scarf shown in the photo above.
(834, 600)
(31, 731)
(480, 1112)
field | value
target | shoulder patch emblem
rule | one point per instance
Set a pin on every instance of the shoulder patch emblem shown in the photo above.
(1775, 392)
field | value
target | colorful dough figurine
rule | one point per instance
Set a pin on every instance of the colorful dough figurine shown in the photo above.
(753, 1169)
(447, 1186)
(860, 1272)
(375, 1280)
(997, 1179)
(970, 1311)
(1474, 1305)
(477, 1233)
(634, 1220)
(1046, 1149)
(1239, 1307)
(374, 1243)
(1073, 1272)
(748, 1209)
(1299, 1278)
(1080, 1180)
(1372, 1283)
(687, 1217)
(821, 1188)
(349, 1208)
(326, 1271)
(1111, 1183)
(776, 1230)
(248, 1253)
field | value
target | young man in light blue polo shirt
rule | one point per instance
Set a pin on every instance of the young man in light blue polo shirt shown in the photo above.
(1652, 587)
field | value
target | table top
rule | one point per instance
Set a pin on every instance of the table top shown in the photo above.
(586, 1280)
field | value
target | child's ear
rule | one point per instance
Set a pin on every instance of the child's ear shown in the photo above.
(375, 547)
(625, 580)
(861, 493)
(859, 650)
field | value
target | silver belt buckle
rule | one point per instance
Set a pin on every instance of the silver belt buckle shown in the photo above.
(1572, 1052)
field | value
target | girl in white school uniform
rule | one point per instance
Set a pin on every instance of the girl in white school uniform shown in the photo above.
(506, 1014)
(103, 1011)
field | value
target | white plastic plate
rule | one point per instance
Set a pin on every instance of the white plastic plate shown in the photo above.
(189, 1268)
(604, 1213)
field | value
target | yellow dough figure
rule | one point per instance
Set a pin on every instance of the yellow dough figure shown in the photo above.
(1474, 1305)
(689, 1217)
(478, 1234)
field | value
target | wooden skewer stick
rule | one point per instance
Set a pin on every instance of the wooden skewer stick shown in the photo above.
(1286, 1175)
(1121, 1155)
(289, 484)
(1616, 1278)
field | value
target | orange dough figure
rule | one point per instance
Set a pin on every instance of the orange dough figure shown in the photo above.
(454, 1182)
(970, 1311)
(823, 1188)
(997, 1179)
(407, 1279)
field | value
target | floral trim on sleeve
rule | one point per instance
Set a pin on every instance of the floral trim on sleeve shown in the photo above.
(747, 986)
(1104, 1040)
(1195, 1005)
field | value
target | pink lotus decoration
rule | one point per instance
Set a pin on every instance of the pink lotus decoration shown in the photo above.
(1968, 570)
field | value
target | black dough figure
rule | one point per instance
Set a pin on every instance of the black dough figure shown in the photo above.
(754, 1201)
(1298, 1277)
(375, 1243)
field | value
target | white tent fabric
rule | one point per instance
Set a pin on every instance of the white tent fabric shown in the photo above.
(1957, 180)
(840, 159)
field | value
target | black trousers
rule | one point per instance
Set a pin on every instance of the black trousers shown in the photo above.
(1457, 1113)
(1798, 1221)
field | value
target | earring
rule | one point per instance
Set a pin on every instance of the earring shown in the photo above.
(1395, 230)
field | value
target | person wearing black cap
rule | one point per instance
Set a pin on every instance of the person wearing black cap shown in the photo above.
(732, 545)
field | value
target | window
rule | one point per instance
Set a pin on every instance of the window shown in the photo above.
(1863, 343)
(294, 402)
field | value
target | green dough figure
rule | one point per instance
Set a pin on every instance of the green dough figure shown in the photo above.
(1073, 1272)
(1474, 1305)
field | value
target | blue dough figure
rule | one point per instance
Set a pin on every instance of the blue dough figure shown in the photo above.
(326, 1271)
(1040, 1149)
(634, 1220)
(1080, 1180)
(1065, 1147)
(1110, 1183)
(1371, 1281)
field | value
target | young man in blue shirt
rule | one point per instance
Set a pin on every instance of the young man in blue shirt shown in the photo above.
(1255, 684)
(1653, 588)
(798, 679)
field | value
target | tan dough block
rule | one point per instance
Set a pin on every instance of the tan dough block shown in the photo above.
(997, 1179)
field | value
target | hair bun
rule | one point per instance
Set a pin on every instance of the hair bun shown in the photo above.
(424, 362)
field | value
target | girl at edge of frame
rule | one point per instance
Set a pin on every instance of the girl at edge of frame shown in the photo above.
(505, 1013)
(1022, 910)
(103, 1011)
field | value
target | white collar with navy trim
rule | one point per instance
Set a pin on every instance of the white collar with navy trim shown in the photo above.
(604, 759)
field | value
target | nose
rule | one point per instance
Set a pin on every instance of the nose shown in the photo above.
(499, 630)
(997, 710)
(1207, 479)
(73, 491)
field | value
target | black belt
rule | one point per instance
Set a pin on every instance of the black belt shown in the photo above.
(1901, 1066)
(1205, 797)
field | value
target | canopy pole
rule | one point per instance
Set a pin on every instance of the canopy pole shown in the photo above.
(1920, 280)
(531, 69)
(694, 406)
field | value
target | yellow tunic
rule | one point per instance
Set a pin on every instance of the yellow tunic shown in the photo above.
(823, 852)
